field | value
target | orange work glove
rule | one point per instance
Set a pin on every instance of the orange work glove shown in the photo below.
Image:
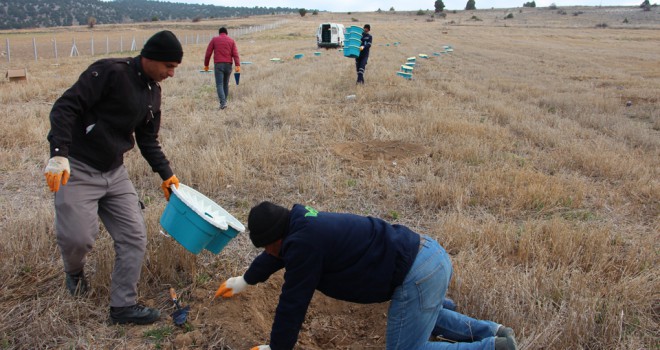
(238, 69)
(261, 347)
(167, 184)
(361, 48)
(57, 171)
(206, 68)
(231, 287)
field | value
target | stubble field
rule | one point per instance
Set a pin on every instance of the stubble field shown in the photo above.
(531, 152)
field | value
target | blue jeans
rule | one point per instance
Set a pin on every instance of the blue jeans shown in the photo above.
(222, 73)
(416, 308)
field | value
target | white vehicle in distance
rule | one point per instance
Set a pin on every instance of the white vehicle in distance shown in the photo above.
(330, 35)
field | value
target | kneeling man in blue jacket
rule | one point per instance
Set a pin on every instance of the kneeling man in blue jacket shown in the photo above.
(362, 260)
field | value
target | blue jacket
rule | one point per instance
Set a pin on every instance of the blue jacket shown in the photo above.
(366, 43)
(345, 256)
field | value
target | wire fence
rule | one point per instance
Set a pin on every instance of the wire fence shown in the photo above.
(24, 49)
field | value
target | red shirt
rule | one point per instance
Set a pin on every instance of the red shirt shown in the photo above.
(223, 49)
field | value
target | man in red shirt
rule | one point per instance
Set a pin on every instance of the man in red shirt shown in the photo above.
(224, 51)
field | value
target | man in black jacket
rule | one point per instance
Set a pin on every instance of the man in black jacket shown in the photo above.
(114, 104)
(361, 61)
(362, 260)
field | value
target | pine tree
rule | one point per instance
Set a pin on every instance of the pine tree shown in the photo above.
(439, 6)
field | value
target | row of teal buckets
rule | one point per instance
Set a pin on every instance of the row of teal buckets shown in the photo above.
(353, 41)
(407, 68)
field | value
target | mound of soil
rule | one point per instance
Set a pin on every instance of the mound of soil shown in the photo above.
(246, 319)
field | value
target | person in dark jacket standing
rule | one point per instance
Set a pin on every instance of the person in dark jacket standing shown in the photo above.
(224, 51)
(362, 260)
(114, 104)
(361, 61)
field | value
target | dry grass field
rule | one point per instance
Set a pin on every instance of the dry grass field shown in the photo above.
(531, 152)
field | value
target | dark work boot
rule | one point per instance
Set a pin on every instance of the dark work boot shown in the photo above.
(137, 314)
(76, 284)
(502, 343)
(505, 338)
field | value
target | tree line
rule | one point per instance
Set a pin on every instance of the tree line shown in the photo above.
(19, 14)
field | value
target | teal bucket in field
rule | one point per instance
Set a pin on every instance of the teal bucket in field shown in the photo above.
(317, 53)
(352, 51)
(198, 223)
(406, 69)
(405, 75)
(298, 56)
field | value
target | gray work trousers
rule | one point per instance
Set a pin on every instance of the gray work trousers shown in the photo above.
(91, 194)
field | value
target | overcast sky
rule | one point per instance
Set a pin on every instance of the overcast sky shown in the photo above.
(402, 5)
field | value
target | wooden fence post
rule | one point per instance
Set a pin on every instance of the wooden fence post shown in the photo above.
(55, 49)
(34, 44)
(74, 49)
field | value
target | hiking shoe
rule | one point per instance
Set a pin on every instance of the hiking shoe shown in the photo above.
(507, 334)
(137, 314)
(223, 106)
(504, 332)
(505, 343)
(76, 284)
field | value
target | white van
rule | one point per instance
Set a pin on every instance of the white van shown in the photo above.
(330, 35)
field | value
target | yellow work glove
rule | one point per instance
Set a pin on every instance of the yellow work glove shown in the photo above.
(261, 347)
(231, 287)
(57, 171)
(238, 69)
(166, 185)
(206, 68)
(361, 48)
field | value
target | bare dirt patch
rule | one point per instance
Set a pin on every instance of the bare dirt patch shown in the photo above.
(377, 150)
(246, 319)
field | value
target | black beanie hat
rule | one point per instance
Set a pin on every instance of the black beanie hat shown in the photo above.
(267, 223)
(164, 47)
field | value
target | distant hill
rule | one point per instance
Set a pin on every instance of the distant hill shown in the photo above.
(18, 14)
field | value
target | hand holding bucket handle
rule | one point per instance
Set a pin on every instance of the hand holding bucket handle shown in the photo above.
(167, 186)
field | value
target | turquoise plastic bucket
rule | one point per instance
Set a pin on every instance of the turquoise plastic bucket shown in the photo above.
(405, 75)
(355, 29)
(298, 56)
(353, 42)
(352, 51)
(353, 35)
(197, 222)
(406, 69)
